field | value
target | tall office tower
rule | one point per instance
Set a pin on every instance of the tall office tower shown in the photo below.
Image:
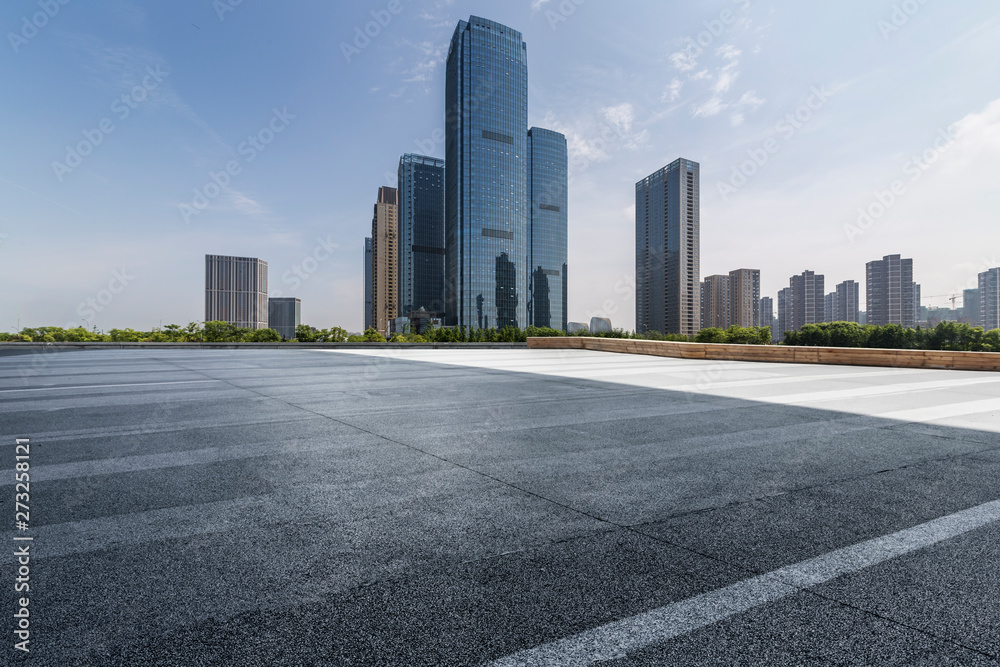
(744, 298)
(284, 314)
(368, 283)
(808, 299)
(970, 307)
(486, 188)
(767, 314)
(421, 235)
(715, 302)
(847, 302)
(786, 298)
(891, 293)
(236, 291)
(667, 252)
(547, 264)
(989, 299)
(385, 255)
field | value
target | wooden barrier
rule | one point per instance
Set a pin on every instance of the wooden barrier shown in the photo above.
(845, 356)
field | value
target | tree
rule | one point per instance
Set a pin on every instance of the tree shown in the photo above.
(373, 336)
(265, 336)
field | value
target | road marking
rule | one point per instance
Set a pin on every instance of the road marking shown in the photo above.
(104, 386)
(616, 639)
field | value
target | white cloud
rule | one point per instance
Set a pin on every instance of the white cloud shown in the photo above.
(750, 99)
(710, 108)
(736, 119)
(620, 116)
(683, 61)
(673, 91)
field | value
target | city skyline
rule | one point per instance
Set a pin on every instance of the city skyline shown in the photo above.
(820, 187)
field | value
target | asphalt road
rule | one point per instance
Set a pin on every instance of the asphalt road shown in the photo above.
(439, 507)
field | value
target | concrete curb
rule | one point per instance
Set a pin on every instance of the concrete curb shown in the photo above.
(845, 356)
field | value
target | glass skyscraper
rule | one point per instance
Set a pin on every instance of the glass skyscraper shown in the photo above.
(486, 180)
(547, 280)
(421, 234)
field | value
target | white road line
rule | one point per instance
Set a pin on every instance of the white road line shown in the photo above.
(615, 639)
(932, 413)
(105, 386)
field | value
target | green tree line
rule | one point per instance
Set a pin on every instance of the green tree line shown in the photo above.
(945, 336)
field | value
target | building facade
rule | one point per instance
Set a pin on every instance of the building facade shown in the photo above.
(891, 295)
(784, 321)
(236, 291)
(284, 314)
(846, 304)
(385, 257)
(744, 298)
(767, 315)
(715, 307)
(989, 299)
(486, 178)
(368, 283)
(970, 307)
(667, 250)
(421, 234)
(547, 180)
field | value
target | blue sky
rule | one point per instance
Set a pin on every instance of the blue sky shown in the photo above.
(139, 136)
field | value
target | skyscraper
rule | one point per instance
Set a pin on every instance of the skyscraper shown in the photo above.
(891, 292)
(715, 292)
(547, 174)
(667, 267)
(236, 291)
(744, 298)
(284, 314)
(830, 307)
(486, 179)
(385, 256)
(785, 299)
(368, 283)
(989, 299)
(421, 235)
(847, 303)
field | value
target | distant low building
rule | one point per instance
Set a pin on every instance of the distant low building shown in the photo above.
(284, 315)
(573, 327)
(989, 299)
(600, 324)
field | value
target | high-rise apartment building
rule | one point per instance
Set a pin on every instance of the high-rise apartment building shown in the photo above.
(970, 307)
(715, 302)
(236, 291)
(808, 301)
(547, 266)
(284, 314)
(667, 251)
(830, 307)
(891, 295)
(486, 178)
(368, 283)
(847, 306)
(385, 258)
(421, 234)
(767, 315)
(989, 299)
(744, 298)
(784, 322)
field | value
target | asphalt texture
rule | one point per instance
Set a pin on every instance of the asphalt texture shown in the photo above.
(443, 507)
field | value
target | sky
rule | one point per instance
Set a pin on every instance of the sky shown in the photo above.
(139, 136)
